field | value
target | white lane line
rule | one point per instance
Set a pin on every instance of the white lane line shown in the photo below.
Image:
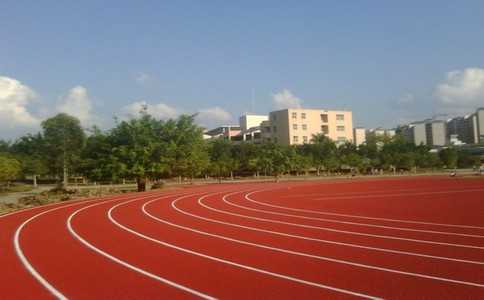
(347, 244)
(25, 261)
(359, 217)
(227, 261)
(353, 223)
(341, 231)
(400, 194)
(121, 262)
(373, 192)
(284, 250)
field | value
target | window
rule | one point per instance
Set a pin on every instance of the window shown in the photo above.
(303, 115)
(268, 129)
(340, 117)
(341, 139)
(324, 118)
(325, 129)
(294, 126)
(305, 139)
(340, 128)
(304, 127)
(294, 115)
(274, 129)
(295, 139)
(274, 117)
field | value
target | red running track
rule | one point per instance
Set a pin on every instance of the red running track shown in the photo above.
(406, 237)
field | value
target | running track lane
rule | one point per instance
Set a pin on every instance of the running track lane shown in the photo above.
(139, 233)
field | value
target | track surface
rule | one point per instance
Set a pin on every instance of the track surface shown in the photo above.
(414, 237)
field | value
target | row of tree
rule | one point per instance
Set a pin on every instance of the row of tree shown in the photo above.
(146, 149)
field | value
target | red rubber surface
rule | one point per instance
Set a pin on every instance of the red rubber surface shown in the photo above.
(405, 237)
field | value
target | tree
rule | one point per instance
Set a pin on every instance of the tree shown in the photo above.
(9, 168)
(30, 151)
(4, 146)
(141, 150)
(448, 156)
(191, 156)
(324, 153)
(64, 141)
(96, 157)
(221, 161)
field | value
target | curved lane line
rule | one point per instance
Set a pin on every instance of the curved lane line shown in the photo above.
(226, 261)
(121, 262)
(356, 245)
(25, 261)
(359, 217)
(341, 231)
(288, 251)
(353, 223)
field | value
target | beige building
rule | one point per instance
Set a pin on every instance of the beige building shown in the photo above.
(297, 126)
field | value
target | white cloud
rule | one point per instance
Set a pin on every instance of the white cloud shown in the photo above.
(213, 114)
(286, 99)
(78, 104)
(14, 98)
(462, 88)
(147, 80)
(209, 117)
(406, 100)
(143, 78)
(159, 111)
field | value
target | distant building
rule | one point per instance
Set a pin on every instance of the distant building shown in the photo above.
(295, 126)
(359, 136)
(463, 129)
(429, 132)
(480, 124)
(382, 131)
(227, 132)
(250, 121)
(468, 129)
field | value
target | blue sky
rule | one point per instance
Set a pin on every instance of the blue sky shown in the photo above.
(390, 62)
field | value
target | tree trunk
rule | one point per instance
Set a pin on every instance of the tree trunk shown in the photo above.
(141, 182)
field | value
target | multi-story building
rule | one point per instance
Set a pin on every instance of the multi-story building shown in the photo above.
(359, 135)
(463, 128)
(297, 126)
(480, 124)
(250, 128)
(468, 129)
(227, 132)
(428, 132)
(435, 133)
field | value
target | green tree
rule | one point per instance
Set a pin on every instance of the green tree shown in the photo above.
(64, 140)
(221, 161)
(30, 151)
(392, 153)
(141, 150)
(191, 155)
(4, 146)
(324, 153)
(9, 168)
(244, 152)
(96, 157)
(449, 156)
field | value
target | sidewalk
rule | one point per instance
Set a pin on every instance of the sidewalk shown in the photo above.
(14, 197)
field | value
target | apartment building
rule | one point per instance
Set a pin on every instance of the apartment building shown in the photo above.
(359, 135)
(428, 132)
(297, 126)
(467, 129)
